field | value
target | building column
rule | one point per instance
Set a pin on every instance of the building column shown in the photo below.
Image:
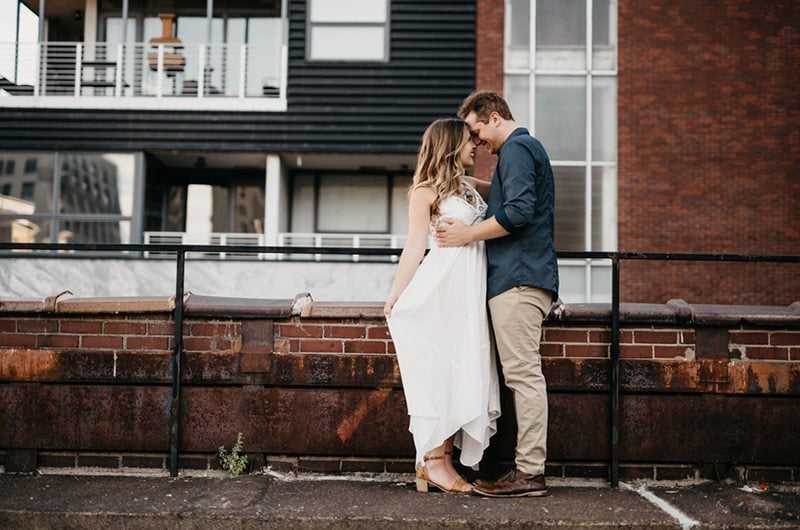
(272, 200)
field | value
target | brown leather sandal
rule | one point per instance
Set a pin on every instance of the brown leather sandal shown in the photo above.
(424, 480)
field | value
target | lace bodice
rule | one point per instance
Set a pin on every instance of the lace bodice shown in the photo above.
(466, 206)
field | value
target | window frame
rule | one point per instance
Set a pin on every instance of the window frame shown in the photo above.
(386, 25)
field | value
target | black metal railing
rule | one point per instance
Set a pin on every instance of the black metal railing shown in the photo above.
(180, 251)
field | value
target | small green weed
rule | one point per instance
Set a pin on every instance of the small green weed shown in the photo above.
(233, 461)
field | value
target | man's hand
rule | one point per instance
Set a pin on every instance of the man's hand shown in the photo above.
(450, 233)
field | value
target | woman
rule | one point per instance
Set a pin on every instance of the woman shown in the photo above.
(436, 312)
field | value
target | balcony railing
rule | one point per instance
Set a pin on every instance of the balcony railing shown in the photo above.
(143, 75)
(286, 239)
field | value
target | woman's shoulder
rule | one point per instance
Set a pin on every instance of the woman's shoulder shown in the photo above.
(424, 193)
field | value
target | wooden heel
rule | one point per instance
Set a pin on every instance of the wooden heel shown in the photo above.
(422, 485)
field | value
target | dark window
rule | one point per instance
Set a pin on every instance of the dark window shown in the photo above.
(6, 189)
(27, 190)
(30, 165)
(9, 167)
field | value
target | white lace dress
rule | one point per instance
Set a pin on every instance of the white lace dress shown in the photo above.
(441, 333)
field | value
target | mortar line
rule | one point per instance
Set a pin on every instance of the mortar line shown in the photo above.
(683, 519)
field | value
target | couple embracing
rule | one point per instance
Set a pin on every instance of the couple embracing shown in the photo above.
(493, 242)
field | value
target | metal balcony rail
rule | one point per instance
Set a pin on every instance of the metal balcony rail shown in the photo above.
(140, 72)
(180, 252)
(285, 239)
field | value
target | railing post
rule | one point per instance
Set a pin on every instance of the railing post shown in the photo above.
(242, 71)
(160, 72)
(175, 405)
(201, 71)
(118, 72)
(614, 383)
(78, 68)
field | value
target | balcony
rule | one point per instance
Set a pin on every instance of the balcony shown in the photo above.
(146, 76)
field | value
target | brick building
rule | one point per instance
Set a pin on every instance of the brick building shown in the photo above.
(707, 132)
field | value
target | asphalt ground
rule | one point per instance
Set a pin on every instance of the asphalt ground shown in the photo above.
(355, 501)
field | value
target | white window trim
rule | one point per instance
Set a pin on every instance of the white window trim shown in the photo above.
(386, 25)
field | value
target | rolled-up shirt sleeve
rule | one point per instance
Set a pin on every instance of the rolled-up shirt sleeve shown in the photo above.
(517, 166)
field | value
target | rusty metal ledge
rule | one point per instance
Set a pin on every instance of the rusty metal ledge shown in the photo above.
(116, 305)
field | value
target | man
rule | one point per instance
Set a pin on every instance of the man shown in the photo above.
(522, 276)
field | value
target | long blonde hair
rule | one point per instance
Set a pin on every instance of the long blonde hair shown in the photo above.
(438, 161)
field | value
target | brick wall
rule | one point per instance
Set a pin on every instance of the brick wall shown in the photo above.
(709, 146)
(321, 391)
(488, 65)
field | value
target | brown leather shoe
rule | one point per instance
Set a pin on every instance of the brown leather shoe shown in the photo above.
(513, 484)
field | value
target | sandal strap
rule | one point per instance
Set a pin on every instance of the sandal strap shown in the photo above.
(458, 484)
(426, 458)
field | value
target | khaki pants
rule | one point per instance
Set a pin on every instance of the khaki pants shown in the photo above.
(517, 316)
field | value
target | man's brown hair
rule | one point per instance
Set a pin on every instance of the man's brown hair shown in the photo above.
(483, 103)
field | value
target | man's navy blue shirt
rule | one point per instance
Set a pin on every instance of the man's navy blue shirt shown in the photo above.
(521, 199)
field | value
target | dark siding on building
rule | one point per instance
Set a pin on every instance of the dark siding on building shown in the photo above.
(332, 107)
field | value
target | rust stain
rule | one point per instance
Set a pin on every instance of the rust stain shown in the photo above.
(26, 365)
(351, 422)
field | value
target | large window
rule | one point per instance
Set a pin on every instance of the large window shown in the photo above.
(560, 81)
(67, 197)
(348, 30)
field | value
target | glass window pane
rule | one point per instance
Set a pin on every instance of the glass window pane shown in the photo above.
(400, 187)
(347, 43)
(561, 115)
(560, 23)
(604, 208)
(100, 184)
(302, 204)
(604, 34)
(604, 119)
(23, 230)
(601, 282)
(518, 97)
(348, 10)
(570, 208)
(263, 58)
(353, 204)
(520, 16)
(248, 210)
(207, 209)
(572, 284)
(94, 231)
(26, 192)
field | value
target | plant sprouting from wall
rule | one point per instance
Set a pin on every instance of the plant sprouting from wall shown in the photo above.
(233, 461)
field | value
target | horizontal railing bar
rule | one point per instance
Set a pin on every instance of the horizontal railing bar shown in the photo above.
(216, 249)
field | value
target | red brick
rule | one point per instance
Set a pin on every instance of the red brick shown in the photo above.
(13, 340)
(56, 460)
(81, 326)
(655, 337)
(281, 345)
(794, 354)
(749, 337)
(305, 330)
(586, 350)
(368, 466)
(669, 352)
(143, 461)
(390, 347)
(37, 326)
(551, 350)
(566, 335)
(101, 341)
(601, 337)
(628, 351)
(364, 346)
(111, 462)
(147, 343)
(785, 338)
(8, 326)
(687, 337)
(210, 329)
(767, 353)
(234, 345)
(345, 332)
(57, 341)
(161, 328)
(125, 328)
(378, 332)
(311, 345)
(197, 343)
(626, 337)
(319, 464)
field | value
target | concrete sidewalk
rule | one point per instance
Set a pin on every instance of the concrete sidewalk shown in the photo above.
(274, 500)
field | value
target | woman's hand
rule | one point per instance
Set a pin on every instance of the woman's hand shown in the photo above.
(387, 308)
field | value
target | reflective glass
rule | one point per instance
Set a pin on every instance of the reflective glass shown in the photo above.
(560, 23)
(248, 210)
(561, 115)
(347, 10)
(302, 203)
(604, 34)
(604, 119)
(520, 18)
(400, 187)
(570, 208)
(518, 97)
(26, 192)
(21, 230)
(353, 204)
(347, 43)
(604, 208)
(94, 231)
(101, 184)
